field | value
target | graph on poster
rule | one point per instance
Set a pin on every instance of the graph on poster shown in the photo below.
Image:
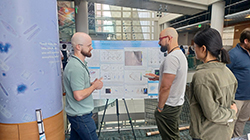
(122, 65)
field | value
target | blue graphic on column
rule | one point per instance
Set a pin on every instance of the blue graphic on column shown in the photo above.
(29, 60)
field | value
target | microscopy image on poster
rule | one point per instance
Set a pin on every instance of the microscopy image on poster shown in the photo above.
(133, 58)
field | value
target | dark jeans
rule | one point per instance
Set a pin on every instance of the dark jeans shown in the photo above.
(82, 127)
(168, 122)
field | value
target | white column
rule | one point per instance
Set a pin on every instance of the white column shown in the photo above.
(166, 25)
(157, 28)
(217, 17)
(81, 17)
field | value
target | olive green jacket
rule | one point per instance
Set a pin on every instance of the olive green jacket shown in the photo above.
(212, 93)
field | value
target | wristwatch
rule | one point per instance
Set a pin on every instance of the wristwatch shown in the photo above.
(159, 108)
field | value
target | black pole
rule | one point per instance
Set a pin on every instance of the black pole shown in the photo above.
(117, 113)
(103, 117)
(129, 118)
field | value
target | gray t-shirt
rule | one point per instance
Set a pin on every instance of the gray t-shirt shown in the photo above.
(175, 63)
(76, 77)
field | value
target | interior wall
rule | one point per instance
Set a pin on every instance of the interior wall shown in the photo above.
(183, 38)
(190, 38)
(237, 31)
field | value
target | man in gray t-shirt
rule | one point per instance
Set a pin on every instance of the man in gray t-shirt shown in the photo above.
(79, 89)
(172, 85)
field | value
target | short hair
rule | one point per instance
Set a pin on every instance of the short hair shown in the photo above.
(245, 34)
(64, 46)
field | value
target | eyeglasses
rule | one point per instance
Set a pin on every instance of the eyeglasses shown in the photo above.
(165, 37)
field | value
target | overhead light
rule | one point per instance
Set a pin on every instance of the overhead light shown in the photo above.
(248, 16)
(228, 19)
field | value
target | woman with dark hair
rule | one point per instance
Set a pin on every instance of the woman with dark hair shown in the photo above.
(212, 107)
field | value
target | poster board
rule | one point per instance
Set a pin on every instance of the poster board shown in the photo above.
(122, 65)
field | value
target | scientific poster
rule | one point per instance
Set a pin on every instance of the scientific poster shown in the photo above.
(122, 65)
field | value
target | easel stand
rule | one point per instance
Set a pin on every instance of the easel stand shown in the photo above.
(117, 113)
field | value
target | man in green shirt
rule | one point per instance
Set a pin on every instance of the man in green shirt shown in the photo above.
(79, 100)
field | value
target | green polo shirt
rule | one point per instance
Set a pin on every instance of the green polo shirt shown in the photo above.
(76, 77)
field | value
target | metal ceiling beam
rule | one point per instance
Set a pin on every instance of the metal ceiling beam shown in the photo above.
(193, 25)
(183, 3)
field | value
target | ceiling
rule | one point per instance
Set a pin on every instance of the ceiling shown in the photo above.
(236, 12)
(187, 7)
(186, 15)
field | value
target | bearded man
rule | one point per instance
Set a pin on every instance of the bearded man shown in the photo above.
(172, 85)
(79, 89)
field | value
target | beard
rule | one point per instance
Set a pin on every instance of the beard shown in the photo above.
(164, 48)
(87, 54)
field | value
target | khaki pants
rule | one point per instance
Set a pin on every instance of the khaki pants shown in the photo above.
(243, 115)
(168, 122)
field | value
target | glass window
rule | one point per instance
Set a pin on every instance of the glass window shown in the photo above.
(106, 14)
(108, 29)
(146, 36)
(118, 22)
(135, 15)
(126, 22)
(153, 15)
(98, 28)
(152, 36)
(138, 36)
(118, 36)
(99, 22)
(152, 29)
(145, 22)
(116, 14)
(98, 6)
(141, 10)
(137, 28)
(145, 29)
(107, 22)
(105, 7)
(98, 14)
(136, 22)
(115, 7)
(126, 36)
(127, 14)
(118, 28)
(126, 9)
(153, 23)
(144, 14)
(126, 28)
